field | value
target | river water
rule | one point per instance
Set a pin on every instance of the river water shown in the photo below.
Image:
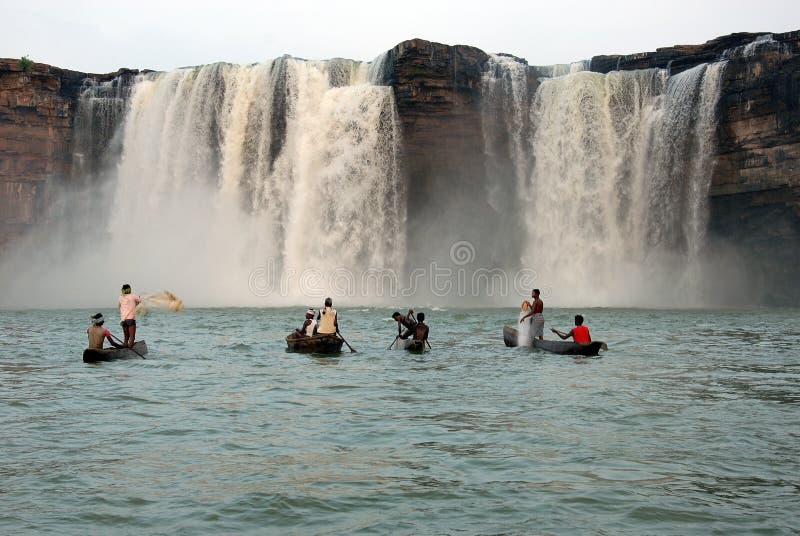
(689, 424)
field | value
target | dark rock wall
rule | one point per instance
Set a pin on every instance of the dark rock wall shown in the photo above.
(755, 192)
(437, 92)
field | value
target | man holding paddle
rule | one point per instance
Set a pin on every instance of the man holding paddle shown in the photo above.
(97, 333)
(328, 319)
(407, 322)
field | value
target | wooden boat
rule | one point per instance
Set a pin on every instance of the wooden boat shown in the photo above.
(557, 347)
(410, 344)
(316, 344)
(91, 355)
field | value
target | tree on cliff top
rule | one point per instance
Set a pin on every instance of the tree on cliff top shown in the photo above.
(25, 63)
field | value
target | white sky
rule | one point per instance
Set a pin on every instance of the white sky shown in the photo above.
(101, 36)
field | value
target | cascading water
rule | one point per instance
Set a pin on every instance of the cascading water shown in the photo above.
(286, 169)
(307, 149)
(101, 110)
(563, 69)
(597, 182)
(616, 197)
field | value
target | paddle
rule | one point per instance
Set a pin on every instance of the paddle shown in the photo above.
(347, 343)
(395, 339)
(129, 348)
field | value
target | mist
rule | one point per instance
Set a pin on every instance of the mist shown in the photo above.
(283, 182)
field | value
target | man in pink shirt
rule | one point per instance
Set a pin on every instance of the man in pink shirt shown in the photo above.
(127, 314)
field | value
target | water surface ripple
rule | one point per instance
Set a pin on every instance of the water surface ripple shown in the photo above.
(689, 425)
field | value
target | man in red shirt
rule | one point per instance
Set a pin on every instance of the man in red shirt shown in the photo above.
(579, 333)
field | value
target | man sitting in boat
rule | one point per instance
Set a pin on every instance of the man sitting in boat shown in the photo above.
(328, 319)
(309, 326)
(421, 329)
(537, 312)
(579, 333)
(97, 333)
(407, 322)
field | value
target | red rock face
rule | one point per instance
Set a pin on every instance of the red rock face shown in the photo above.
(35, 142)
(37, 111)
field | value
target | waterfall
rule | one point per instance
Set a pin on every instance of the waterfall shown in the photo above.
(226, 167)
(563, 69)
(617, 193)
(506, 124)
(101, 110)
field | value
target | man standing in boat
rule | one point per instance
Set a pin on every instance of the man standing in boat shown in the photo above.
(127, 314)
(407, 322)
(537, 312)
(97, 333)
(579, 333)
(328, 319)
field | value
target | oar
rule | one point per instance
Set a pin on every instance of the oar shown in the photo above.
(395, 339)
(128, 347)
(347, 343)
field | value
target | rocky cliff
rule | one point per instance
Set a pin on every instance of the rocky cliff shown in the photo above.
(754, 196)
(755, 191)
(437, 92)
(37, 116)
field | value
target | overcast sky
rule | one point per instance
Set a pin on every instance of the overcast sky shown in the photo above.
(95, 36)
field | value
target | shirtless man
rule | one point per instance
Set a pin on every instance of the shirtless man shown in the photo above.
(537, 329)
(407, 322)
(97, 333)
(421, 329)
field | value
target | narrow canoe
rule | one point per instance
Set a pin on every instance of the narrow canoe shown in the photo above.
(410, 345)
(316, 344)
(91, 355)
(556, 347)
